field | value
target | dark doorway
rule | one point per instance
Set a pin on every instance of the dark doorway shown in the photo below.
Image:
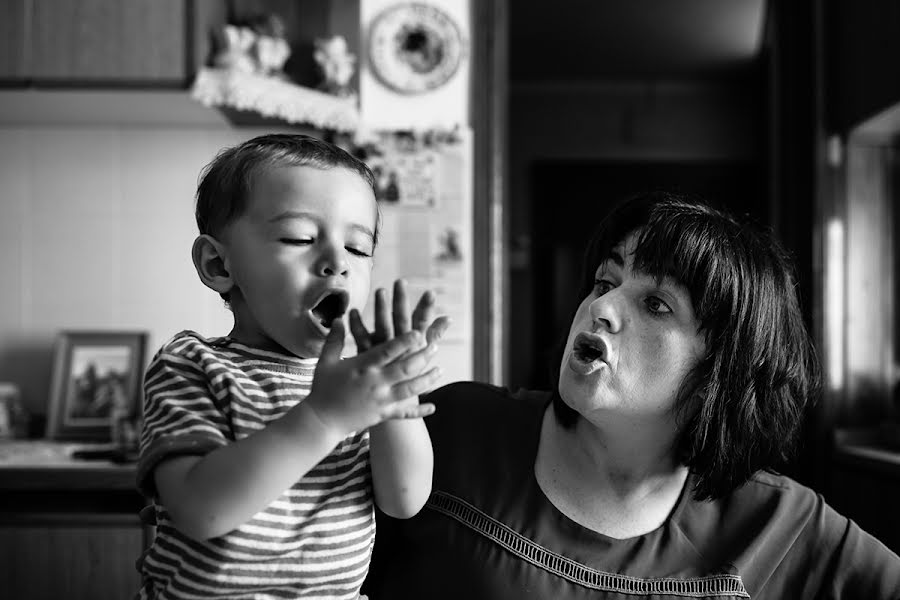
(570, 199)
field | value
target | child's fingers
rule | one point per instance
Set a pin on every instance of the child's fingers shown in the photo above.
(334, 343)
(417, 385)
(382, 318)
(410, 364)
(437, 329)
(386, 353)
(360, 333)
(421, 315)
(406, 410)
(399, 310)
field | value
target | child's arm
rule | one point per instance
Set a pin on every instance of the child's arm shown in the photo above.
(213, 494)
(400, 450)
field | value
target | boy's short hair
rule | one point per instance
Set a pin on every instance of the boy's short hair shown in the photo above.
(226, 182)
(741, 407)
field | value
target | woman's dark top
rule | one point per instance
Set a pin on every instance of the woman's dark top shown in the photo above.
(488, 531)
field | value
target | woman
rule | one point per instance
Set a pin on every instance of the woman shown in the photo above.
(682, 381)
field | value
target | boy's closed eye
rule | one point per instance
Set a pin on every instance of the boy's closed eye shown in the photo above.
(305, 241)
(359, 252)
(296, 241)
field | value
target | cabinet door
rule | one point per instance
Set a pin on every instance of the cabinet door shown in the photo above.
(76, 560)
(13, 27)
(109, 42)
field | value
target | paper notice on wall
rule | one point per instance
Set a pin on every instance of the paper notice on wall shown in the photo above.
(425, 236)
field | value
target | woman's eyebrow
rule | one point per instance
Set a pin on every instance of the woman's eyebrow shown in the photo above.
(675, 289)
(616, 257)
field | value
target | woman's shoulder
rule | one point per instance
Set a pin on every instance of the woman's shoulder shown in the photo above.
(462, 391)
(787, 518)
(471, 416)
(463, 400)
(775, 485)
(484, 439)
(776, 506)
(771, 493)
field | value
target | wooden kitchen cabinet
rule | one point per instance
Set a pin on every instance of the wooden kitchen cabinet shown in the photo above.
(141, 41)
(13, 25)
(71, 556)
(68, 528)
(106, 43)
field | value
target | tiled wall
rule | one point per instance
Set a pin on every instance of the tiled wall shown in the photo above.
(96, 226)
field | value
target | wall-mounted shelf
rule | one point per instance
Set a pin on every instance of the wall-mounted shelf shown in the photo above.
(275, 99)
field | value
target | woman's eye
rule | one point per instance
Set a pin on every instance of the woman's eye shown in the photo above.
(657, 306)
(295, 241)
(602, 286)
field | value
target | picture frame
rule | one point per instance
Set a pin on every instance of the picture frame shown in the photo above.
(97, 376)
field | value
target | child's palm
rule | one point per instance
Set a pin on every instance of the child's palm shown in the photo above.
(385, 379)
(356, 393)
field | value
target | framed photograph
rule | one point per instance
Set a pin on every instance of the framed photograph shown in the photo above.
(97, 376)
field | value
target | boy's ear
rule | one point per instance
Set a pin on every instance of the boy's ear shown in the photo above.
(209, 260)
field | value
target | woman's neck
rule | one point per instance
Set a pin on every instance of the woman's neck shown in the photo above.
(619, 485)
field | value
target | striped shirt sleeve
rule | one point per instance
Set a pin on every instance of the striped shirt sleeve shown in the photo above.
(181, 415)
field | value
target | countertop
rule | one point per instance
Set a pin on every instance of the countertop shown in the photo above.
(50, 465)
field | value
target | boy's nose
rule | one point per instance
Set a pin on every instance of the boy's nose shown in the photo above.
(332, 262)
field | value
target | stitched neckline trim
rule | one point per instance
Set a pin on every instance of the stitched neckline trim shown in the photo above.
(722, 585)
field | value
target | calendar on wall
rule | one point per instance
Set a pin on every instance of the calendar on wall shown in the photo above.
(424, 189)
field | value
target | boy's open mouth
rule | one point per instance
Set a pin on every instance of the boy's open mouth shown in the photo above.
(331, 306)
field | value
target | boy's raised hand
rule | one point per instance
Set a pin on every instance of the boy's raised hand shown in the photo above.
(397, 322)
(356, 393)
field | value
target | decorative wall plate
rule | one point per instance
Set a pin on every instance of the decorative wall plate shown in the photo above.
(415, 47)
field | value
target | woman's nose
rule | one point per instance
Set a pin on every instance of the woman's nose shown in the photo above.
(332, 261)
(605, 312)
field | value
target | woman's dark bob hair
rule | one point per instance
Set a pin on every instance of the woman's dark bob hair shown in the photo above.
(741, 407)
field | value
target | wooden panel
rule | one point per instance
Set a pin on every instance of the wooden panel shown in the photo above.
(207, 19)
(152, 39)
(105, 41)
(74, 562)
(72, 39)
(13, 28)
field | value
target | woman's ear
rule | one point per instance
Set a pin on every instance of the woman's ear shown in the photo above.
(209, 260)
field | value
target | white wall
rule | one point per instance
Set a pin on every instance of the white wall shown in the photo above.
(382, 108)
(96, 226)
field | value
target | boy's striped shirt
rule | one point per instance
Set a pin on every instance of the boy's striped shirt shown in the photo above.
(314, 541)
